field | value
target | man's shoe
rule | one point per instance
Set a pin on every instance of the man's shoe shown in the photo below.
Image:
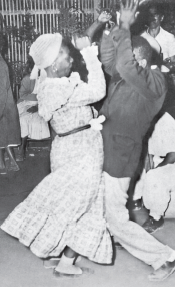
(151, 225)
(163, 272)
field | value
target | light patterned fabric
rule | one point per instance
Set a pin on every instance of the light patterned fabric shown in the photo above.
(67, 207)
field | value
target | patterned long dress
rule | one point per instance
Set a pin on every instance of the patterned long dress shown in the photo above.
(67, 207)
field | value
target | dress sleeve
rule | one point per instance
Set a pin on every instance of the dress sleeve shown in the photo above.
(53, 95)
(107, 53)
(95, 89)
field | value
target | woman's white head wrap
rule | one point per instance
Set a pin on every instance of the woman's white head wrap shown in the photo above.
(44, 52)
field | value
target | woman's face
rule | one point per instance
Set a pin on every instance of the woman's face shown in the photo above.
(63, 63)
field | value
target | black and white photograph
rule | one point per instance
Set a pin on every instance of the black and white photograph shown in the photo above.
(87, 143)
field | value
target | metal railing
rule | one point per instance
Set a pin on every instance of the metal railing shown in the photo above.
(44, 17)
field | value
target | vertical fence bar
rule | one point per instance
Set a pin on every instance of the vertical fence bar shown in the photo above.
(50, 18)
(44, 18)
(96, 3)
(54, 12)
(39, 22)
(36, 23)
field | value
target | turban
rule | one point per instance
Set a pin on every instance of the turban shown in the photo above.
(44, 52)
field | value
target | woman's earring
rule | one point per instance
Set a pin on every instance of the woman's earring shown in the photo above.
(54, 69)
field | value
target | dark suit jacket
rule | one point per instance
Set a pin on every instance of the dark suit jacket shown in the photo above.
(135, 96)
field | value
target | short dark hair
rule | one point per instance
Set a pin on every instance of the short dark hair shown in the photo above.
(144, 47)
(160, 8)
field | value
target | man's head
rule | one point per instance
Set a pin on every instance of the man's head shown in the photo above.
(155, 16)
(142, 51)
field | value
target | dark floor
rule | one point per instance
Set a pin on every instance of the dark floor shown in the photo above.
(20, 268)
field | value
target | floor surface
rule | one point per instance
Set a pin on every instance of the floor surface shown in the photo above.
(20, 268)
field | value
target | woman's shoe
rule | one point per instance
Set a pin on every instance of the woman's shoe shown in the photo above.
(53, 262)
(85, 271)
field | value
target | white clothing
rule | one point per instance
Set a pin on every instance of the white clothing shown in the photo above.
(157, 186)
(153, 43)
(32, 125)
(166, 41)
(130, 235)
(162, 140)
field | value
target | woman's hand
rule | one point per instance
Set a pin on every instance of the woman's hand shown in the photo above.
(128, 13)
(81, 43)
(104, 17)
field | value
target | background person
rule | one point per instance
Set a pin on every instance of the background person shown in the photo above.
(9, 119)
(155, 34)
(32, 125)
(165, 39)
(135, 95)
(157, 186)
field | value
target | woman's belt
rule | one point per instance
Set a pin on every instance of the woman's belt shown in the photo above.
(75, 131)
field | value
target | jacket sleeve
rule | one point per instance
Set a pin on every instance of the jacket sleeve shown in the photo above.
(107, 54)
(143, 80)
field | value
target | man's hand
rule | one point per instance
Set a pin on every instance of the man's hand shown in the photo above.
(104, 17)
(81, 43)
(128, 13)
